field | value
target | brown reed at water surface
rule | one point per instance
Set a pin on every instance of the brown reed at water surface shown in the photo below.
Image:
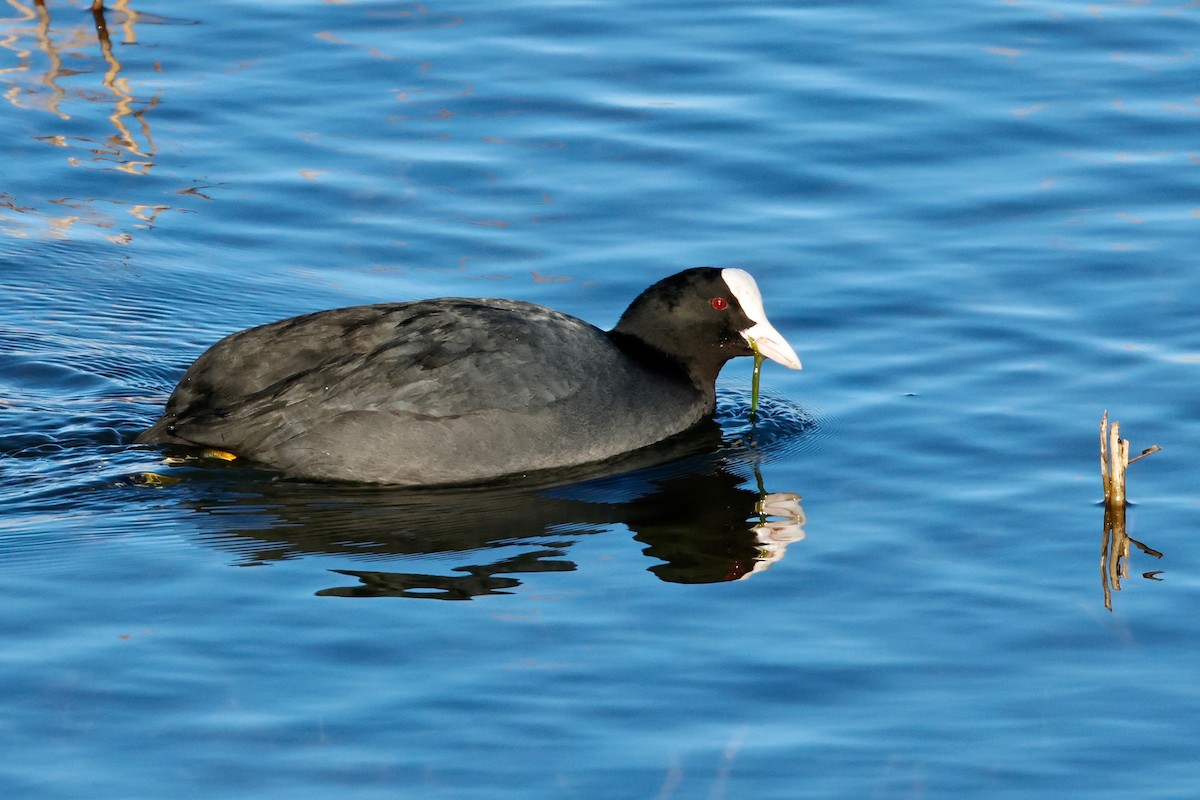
(1114, 547)
(1114, 459)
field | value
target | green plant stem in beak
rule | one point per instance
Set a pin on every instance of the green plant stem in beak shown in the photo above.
(759, 358)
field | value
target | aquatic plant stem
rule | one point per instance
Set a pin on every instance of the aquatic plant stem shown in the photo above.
(1114, 459)
(1114, 545)
(759, 358)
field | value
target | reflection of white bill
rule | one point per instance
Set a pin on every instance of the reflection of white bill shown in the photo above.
(774, 535)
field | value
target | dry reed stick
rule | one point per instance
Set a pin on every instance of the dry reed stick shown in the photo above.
(1114, 547)
(1114, 460)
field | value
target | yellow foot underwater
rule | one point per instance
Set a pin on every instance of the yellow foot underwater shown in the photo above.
(156, 480)
(152, 480)
(210, 452)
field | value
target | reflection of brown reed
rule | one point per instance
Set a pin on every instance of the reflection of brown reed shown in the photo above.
(42, 34)
(123, 142)
(1114, 546)
(41, 79)
(120, 88)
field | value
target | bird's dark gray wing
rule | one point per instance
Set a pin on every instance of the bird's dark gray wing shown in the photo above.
(432, 359)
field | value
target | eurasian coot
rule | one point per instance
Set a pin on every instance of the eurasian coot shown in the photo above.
(460, 390)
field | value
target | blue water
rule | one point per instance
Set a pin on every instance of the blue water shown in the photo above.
(977, 225)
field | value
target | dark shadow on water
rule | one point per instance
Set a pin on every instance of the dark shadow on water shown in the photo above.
(686, 500)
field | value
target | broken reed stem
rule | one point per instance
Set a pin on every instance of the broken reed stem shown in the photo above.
(1114, 460)
(1114, 547)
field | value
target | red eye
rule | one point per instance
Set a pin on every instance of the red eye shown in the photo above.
(719, 303)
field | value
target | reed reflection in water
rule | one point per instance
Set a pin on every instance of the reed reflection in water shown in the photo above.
(69, 72)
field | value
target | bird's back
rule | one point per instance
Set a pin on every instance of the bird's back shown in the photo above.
(438, 391)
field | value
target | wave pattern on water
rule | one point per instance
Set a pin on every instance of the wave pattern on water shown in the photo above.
(976, 224)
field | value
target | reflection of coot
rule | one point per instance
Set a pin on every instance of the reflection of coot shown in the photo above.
(697, 525)
(680, 497)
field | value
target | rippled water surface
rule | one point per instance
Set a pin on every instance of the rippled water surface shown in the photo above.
(977, 224)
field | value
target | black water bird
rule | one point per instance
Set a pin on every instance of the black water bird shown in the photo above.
(459, 390)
